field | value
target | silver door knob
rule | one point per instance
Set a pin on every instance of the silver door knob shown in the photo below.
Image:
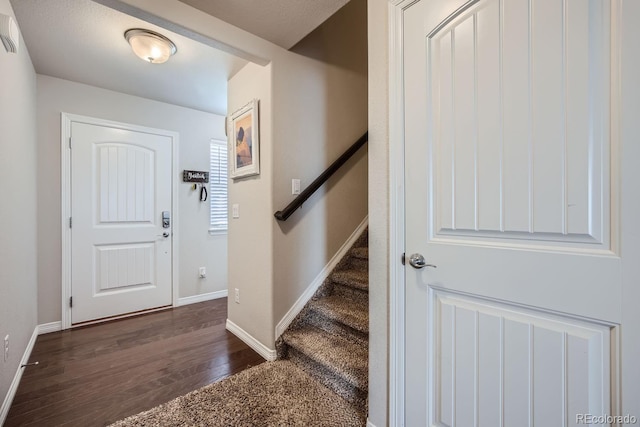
(417, 261)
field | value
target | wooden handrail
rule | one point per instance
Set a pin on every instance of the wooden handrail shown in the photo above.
(317, 183)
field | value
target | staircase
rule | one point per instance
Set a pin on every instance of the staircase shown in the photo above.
(329, 339)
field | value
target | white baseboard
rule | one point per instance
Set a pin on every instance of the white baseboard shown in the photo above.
(313, 287)
(45, 328)
(249, 340)
(13, 388)
(370, 424)
(202, 297)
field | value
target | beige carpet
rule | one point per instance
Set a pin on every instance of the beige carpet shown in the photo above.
(270, 394)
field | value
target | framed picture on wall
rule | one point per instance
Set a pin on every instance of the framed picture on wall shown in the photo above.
(244, 141)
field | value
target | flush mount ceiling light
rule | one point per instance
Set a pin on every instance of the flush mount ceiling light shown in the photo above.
(149, 45)
(9, 33)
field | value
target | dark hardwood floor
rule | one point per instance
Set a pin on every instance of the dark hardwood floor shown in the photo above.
(96, 375)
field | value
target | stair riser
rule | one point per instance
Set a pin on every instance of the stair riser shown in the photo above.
(350, 312)
(318, 320)
(349, 292)
(329, 379)
(363, 287)
(358, 264)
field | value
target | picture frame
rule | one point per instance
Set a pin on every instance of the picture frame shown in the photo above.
(244, 141)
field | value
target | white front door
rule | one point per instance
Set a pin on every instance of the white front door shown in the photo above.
(512, 193)
(120, 251)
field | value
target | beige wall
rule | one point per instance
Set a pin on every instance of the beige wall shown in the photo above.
(250, 238)
(313, 105)
(18, 167)
(196, 247)
(378, 212)
(320, 110)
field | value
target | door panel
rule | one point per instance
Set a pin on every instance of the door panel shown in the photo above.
(121, 258)
(495, 361)
(124, 266)
(126, 184)
(508, 189)
(535, 169)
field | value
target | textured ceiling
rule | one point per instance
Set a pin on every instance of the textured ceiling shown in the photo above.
(83, 41)
(283, 22)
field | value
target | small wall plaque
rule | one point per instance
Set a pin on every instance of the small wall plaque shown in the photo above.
(195, 176)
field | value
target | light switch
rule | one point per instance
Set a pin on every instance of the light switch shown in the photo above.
(235, 210)
(295, 186)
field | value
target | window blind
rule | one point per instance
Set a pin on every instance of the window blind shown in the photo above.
(218, 186)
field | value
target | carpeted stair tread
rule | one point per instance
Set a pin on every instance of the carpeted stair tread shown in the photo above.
(360, 253)
(358, 279)
(346, 359)
(352, 313)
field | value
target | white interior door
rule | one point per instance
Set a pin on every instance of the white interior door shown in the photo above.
(512, 192)
(120, 251)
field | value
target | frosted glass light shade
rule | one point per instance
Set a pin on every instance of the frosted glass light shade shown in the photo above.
(9, 34)
(149, 45)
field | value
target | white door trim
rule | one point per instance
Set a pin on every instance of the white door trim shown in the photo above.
(65, 150)
(396, 213)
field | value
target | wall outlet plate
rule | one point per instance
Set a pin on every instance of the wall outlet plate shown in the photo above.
(202, 272)
(6, 348)
(237, 296)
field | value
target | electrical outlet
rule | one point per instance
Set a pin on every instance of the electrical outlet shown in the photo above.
(6, 348)
(237, 296)
(202, 272)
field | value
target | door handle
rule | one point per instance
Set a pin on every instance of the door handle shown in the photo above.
(417, 261)
(165, 234)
